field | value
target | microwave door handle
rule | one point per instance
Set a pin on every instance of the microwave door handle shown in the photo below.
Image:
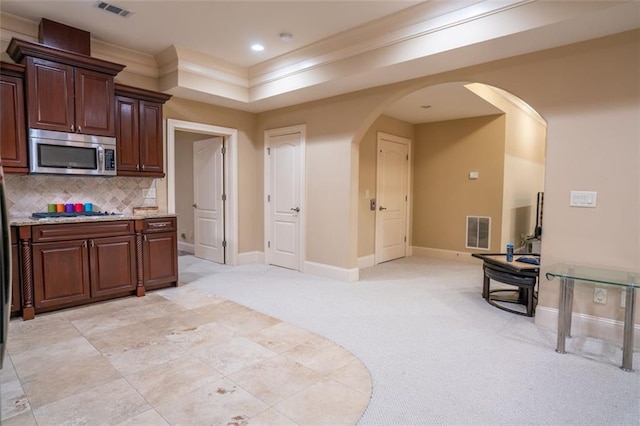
(100, 160)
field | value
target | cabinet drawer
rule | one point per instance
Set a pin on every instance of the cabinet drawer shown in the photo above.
(84, 230)
(160, 224)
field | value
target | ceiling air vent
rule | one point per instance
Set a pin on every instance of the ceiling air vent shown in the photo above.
(478, 232)
(113, 9)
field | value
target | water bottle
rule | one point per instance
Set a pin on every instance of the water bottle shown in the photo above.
(509, 252)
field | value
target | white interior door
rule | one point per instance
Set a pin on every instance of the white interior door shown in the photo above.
(208, 201)
(284, 200)
(392, 196)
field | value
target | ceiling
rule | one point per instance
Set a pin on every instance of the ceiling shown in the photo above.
(327, 36)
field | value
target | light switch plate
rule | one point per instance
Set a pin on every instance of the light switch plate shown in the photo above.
(583, 199)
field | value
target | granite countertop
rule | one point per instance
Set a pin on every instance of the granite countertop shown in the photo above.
(26, 220)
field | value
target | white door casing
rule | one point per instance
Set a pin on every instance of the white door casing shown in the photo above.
(230, 176)
(284, 197)
(392, 197)
(208, 204)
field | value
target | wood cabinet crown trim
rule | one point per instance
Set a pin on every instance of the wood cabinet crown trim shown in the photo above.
(13, 70)
(142, 94)
(18, 49)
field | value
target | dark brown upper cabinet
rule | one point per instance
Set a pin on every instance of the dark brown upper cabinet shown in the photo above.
(139, 139)
(13, 140)
(67, 91)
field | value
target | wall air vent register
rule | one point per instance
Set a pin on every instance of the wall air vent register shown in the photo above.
(478, 232)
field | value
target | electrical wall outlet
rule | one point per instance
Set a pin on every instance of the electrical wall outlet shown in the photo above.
(600, 295)
(623, 298)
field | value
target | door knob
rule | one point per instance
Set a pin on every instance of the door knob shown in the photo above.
(296, 209)
(382, 208)
(194, 205)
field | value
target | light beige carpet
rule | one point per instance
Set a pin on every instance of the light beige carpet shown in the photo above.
(436, 351)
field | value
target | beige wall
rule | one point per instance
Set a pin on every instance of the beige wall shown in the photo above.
(250, 227)
(525, 140)
(367, 177)
(443, 195)
(331, 171)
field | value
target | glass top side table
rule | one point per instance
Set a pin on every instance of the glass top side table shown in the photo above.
(568, 274)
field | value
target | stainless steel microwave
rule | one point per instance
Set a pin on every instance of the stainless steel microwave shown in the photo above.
(71, 153)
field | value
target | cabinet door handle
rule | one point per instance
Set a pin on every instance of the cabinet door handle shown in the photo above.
(159, 224)
(93, 244)
(145, 238)
(84, 244)
(79, 129)
(138, 167)
(143, 167)
(72, 128)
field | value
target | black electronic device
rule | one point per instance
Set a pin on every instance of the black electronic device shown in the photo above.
(537, 232)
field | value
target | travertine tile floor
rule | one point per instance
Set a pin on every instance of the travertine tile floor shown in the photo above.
(177, 356)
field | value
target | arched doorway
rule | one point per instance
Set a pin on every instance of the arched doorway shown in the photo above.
(478, 156)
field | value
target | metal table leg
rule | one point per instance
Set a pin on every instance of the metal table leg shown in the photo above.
(565, 308)
(562, 305)
(627, 343)
(569, 309)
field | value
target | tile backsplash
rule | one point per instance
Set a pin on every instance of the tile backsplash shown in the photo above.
(29, 194)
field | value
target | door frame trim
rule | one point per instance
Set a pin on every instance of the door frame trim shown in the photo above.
(404, 141)
(302, 130)
(230, 176)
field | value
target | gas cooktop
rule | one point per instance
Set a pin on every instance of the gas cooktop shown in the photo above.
(47, 215)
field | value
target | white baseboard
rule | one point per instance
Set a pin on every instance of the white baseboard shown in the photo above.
(587, 325)
(442, 254)
(188, 247)
(340, 274)
(366, 261)
(250, 257)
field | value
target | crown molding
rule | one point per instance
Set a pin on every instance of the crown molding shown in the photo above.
(416, 22)
(136, 62)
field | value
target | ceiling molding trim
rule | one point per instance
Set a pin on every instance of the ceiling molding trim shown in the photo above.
(513, 100)
(176, 58)
(404, 18)
(214, 74)
(197, 82)
(136, 62)
(397, 36)
(15, 26)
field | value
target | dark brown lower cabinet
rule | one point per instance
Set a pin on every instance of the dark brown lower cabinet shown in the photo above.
(82, 262)
(160, 253)
(56, 266)
(65, 272)
(60, 273)
(113, 265)
(16, 305)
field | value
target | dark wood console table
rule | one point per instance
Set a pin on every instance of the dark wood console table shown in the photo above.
(522, 275)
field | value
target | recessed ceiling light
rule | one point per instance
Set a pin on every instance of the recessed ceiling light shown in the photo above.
(257, 47)
(286, 36)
